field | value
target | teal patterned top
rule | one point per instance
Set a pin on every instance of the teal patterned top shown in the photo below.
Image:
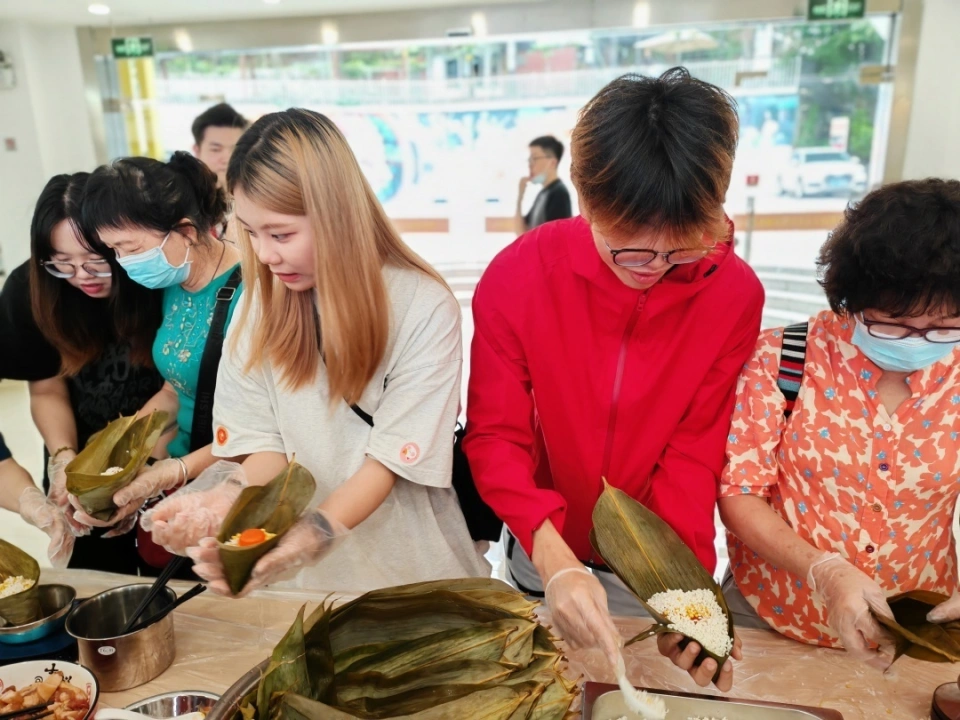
(178, 347)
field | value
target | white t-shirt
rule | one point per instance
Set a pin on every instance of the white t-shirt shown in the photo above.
(418, 533)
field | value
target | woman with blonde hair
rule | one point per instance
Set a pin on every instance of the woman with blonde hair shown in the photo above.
(346, 352)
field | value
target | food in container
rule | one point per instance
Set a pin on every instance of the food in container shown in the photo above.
(263, 513)
(58, 690)
(19, 601)
(652, 560)
(125, 443)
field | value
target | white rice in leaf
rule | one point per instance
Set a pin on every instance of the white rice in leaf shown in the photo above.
(696, 614)
(14, 585)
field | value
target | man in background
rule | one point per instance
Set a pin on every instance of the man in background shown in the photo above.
(553, 201)
(215, 133)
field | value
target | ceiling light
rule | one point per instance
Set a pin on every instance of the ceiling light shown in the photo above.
(478, 21)
(99, 9)
(182, 39)
(272, 2)
(641, 14)
(329, 34)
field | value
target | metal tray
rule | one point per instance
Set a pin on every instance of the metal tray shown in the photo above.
(605, 702)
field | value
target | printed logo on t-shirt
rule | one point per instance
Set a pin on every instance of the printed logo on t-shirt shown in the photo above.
(222, 435)
(409, 453)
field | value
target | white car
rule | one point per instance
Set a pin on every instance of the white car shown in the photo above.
(822, 171)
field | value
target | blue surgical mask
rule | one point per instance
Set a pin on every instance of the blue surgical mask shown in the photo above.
(900, 355)
(539, 179)
(152, 269)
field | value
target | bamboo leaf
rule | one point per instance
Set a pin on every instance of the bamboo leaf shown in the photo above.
(287, 671)
(915, 637)
(351, 686)
(125, 443)
(648, 556)
(24, 607)
(273, 507)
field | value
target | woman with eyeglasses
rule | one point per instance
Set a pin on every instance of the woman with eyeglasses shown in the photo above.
(608, 346)
(80, 332)
(844, 454)
(159, 219)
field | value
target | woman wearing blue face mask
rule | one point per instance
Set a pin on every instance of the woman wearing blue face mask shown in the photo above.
(160, 219)
(843, 452)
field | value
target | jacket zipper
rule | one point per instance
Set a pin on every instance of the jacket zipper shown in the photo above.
(615, 399)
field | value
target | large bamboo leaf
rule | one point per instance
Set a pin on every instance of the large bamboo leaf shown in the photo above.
(273, 507)
(287, 671)
(319, 655)
(351, 686)
(554, 703)
(649, 557)
(24, 607)
(125, 443)
(915, 637)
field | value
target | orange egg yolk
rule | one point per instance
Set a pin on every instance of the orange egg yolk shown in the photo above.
(253, 536)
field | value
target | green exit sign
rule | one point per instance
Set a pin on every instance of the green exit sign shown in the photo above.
(132, 47)
(836, 9)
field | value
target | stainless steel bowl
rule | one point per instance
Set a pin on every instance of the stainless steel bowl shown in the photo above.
(55, 604)
(229, 703)
(172, 704)
(123, 661)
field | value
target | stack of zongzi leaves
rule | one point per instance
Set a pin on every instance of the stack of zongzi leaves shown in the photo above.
(431, 651)
(19, 574)
(112, 460)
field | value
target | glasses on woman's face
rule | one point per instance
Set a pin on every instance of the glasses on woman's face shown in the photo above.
(893, 331)
(628, 257)
(65, 270)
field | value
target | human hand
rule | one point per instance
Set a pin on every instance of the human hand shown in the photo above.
(685, 658)
(578, 605)
(946, 611)
(311, 538)
(150, 482)
(850, 596)
(42, 513)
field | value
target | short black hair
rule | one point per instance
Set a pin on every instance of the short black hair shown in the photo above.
(146, 193)
(549, 144)
(220, 115)
(656, 152)
(897, 251)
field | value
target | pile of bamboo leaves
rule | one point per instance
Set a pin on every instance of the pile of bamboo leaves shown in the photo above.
(431, 651)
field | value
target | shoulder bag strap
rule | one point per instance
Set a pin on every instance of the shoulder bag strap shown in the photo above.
(793, 352)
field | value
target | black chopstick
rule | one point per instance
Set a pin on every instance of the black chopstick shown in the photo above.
(161, 582)
(161, 614)
(27, 712)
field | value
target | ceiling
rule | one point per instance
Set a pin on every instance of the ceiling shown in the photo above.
(139, 12)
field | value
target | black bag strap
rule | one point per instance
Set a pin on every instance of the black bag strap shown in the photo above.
(363, 414)
(793, 354)
(202, 433)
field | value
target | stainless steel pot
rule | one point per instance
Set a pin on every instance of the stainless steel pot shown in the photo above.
(123, 661)
(172, 704)
(55, 603)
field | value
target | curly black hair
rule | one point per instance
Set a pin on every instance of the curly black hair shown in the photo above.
(897, 251)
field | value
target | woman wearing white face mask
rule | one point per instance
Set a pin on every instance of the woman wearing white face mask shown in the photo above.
(844, 462)
(160, 218)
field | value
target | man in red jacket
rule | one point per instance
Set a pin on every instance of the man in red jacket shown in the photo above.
(609, 345)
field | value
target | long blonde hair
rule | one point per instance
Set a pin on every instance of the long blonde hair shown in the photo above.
(297, 162)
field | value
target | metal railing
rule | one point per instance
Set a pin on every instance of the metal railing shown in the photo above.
(733, 75)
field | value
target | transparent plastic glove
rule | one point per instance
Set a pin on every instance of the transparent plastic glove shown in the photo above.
(57, 474)
(150, 482)
(197, 511)
(311, 537)
(40, 512)
(578, 604)
(849, 596)
(946, 611)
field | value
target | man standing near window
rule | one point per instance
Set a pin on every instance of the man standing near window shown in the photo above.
(553, 201)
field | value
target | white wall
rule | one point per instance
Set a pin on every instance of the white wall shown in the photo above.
(45, 114)
(933, 140)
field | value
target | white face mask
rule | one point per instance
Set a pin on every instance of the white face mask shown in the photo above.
(539, 179)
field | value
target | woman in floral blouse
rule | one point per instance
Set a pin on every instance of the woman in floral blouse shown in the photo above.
(850, 498)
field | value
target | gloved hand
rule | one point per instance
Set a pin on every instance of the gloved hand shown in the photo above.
(946, 611)
(197, 511)
(57, 473)
(578, 604)
(849, 596)
(311, 537)
(40, 512)
(150, 482)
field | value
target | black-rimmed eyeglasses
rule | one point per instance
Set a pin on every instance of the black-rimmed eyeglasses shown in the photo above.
(630, 257)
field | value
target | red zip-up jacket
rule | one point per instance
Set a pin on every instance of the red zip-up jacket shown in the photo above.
(574, 376)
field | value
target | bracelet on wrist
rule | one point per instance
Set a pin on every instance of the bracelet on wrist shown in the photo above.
(60, 450)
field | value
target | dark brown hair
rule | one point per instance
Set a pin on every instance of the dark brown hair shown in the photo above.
(656, 153)
(897, 251)
(77, 325)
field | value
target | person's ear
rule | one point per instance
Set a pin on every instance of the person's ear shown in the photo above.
(196, 151)
(186, 229)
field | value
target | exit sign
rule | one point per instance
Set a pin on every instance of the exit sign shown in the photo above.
(132, 47)
(836, 9)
